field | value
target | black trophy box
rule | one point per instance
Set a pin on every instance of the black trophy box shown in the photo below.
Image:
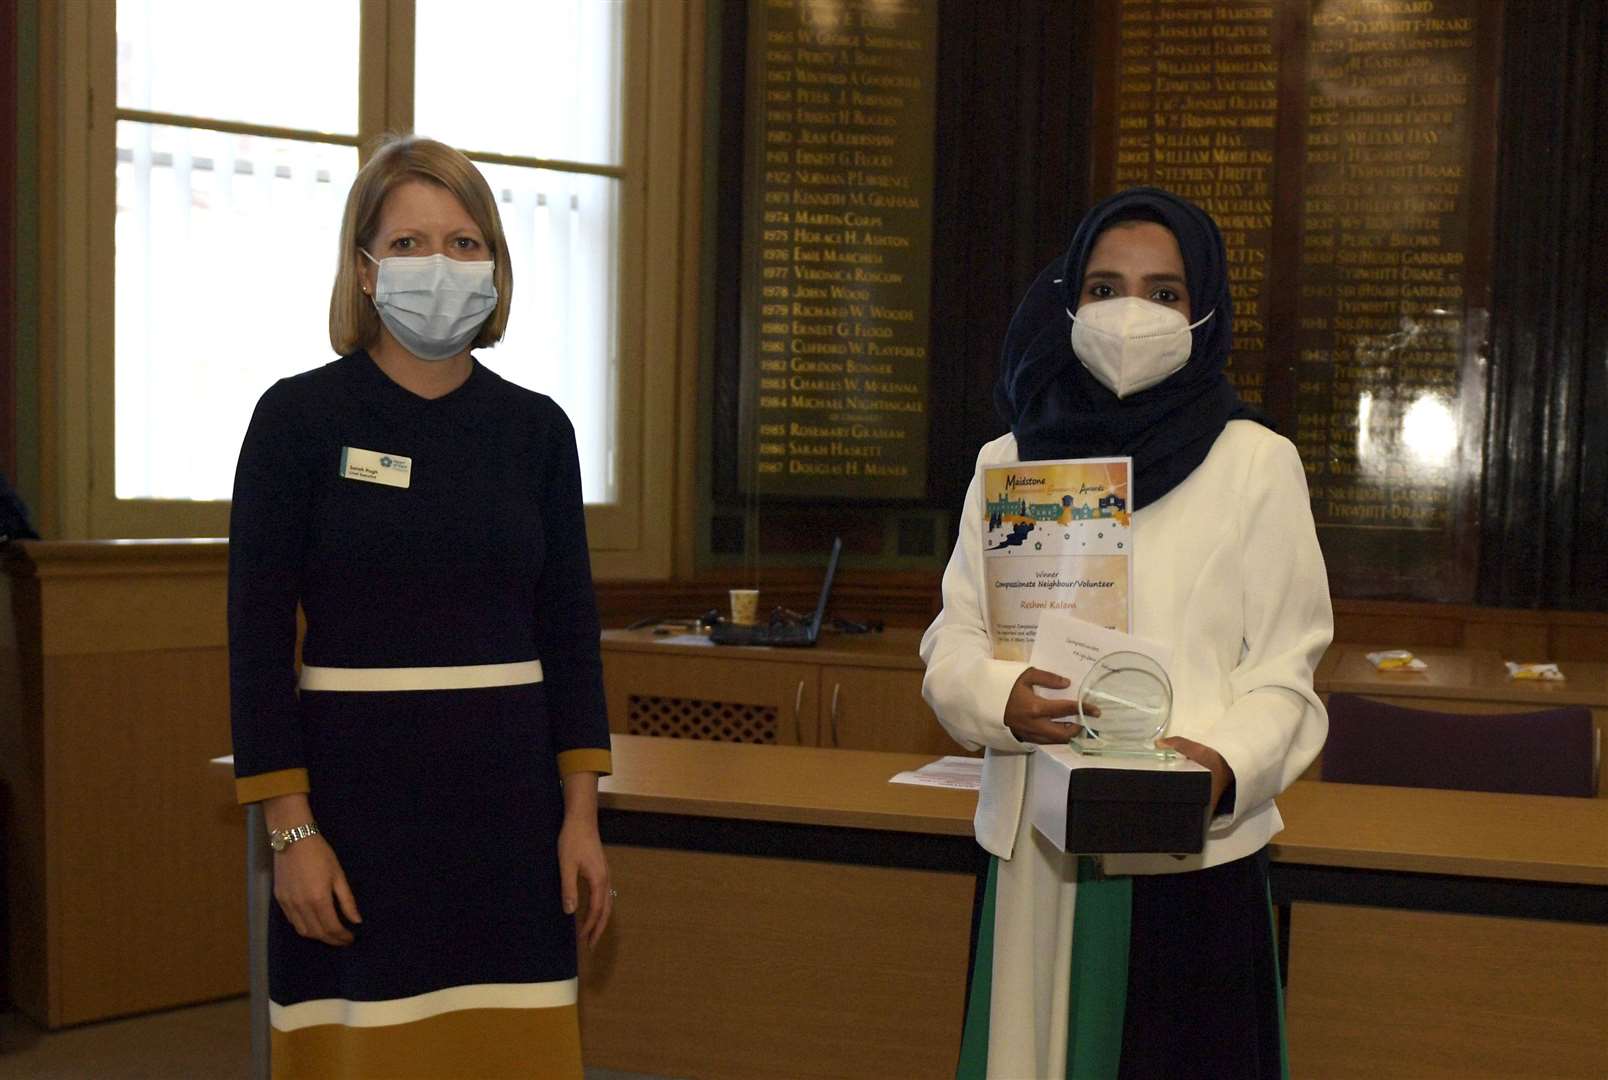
(1098, 805)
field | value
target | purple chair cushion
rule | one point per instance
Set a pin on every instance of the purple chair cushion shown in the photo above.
(1537, 753)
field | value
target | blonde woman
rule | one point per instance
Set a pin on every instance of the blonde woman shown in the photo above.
(429, 779)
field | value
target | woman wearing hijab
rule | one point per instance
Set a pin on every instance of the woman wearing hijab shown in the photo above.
(1142, 965)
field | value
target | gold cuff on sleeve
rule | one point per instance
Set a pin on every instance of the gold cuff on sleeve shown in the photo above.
(250, 789)
(587, 760)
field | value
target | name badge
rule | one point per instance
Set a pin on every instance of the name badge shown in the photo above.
(376, 468)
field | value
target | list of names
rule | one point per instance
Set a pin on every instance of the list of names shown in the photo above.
(1384, 276)
(1197, 112)
(837, 239)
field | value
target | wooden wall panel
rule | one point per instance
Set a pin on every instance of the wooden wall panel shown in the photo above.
(1579, 637)
(149, 906)
(124, 863)
(9, 117)
(22, 813)
(1545, 499)
(1419, 629)
(1517, 640)
(103, 614)
(914, 600)
(1009, 183)
(783, 951)
(1016, 111)
(1513, 632)
(1378, 993)
(910, 600)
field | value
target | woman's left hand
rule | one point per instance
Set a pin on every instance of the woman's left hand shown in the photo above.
(1222, 775)
(580, 857)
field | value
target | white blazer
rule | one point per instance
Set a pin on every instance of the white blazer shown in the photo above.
(1227, 571)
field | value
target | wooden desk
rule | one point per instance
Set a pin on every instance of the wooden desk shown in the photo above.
(785, 911)
(1444, 933)
(1469, 681)
(1534, 839)
(1463, 674)
(854, 691)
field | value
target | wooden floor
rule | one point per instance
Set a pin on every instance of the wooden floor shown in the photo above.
(204, 1042)
(201, 1041)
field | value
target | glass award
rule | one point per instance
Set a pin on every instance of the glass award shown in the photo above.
(1133, 698)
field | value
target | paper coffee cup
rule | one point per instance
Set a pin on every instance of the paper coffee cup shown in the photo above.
(745, 606)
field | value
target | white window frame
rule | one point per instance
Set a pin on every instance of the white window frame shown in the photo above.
(630, 538)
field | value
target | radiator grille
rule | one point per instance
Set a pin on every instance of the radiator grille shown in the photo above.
(690, 718)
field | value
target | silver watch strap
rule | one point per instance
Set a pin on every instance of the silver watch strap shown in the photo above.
(280, 839)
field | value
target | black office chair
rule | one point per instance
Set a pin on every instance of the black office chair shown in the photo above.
(1551, 752)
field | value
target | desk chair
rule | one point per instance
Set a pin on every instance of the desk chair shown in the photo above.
(1551, 752)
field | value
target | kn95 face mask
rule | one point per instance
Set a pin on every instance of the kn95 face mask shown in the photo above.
(1129, 343)
(433, 305)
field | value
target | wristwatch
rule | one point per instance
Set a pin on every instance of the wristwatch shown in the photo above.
(280, 839)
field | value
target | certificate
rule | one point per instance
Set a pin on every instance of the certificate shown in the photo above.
(1057, 536)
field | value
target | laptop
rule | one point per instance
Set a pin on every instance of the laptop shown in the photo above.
(805, 633)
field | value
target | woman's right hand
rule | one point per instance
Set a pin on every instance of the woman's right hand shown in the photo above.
(1031, 718)
(307, 875)
(308, 882)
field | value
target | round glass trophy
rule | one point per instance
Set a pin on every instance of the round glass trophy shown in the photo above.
(1133, 698)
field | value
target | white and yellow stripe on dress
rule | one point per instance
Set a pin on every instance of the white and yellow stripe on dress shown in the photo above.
(505, 1029)
(453, 677)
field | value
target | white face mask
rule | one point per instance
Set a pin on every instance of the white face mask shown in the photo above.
(1130, 343)
(433, 305)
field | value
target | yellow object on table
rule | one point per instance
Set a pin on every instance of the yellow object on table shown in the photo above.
(1396, 660)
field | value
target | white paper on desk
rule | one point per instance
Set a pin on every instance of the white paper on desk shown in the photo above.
(1066, 645)
(951, 771)
(682, 639)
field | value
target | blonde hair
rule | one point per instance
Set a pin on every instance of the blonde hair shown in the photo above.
(395, 159)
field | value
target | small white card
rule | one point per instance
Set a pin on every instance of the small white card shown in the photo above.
(1066, 645)
(950, 771)
(376, 468)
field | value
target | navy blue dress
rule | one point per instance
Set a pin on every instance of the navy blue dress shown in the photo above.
(451, 677)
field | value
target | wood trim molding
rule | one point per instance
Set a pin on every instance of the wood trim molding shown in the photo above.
(9, 308)
(855, 595)
(900, 598)
(121, 596)
(120, 558)
(913, 599)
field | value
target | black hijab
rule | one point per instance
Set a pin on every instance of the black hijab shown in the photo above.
(1057, 409)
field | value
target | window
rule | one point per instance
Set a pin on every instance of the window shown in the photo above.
(231, 134)
(543, 94)
(223, 238)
